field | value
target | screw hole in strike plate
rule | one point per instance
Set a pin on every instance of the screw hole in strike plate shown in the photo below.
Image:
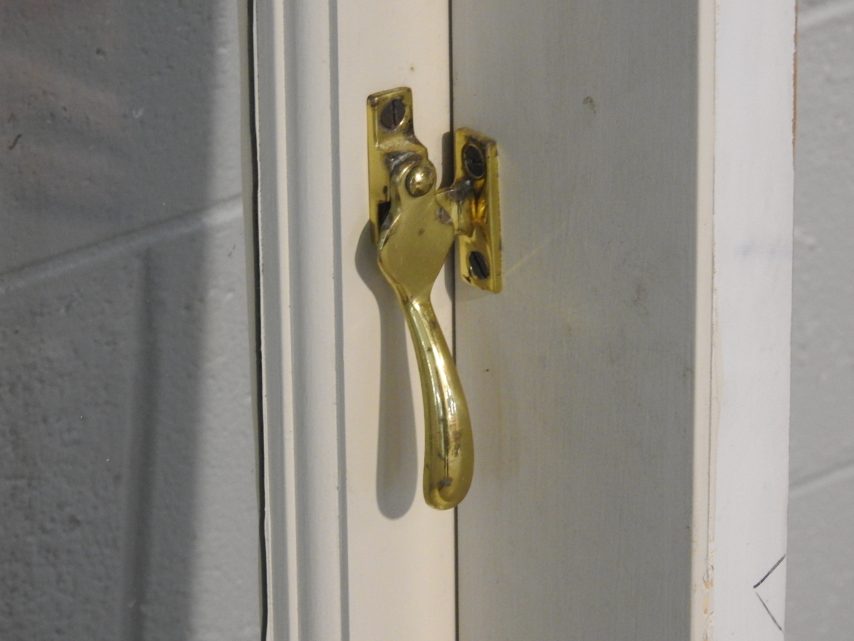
(392, 115)
(473, 161)
(478, 265)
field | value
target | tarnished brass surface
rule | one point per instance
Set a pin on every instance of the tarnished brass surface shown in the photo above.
(414, 226)
(482, 234)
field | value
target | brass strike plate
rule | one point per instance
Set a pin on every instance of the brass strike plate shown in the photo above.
(479, 250)
(471, 201)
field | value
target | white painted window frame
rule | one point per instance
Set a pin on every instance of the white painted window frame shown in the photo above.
(303, 92)
(344, 558)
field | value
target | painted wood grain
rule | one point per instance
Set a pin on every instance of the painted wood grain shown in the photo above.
(615, 471)
(753, 195)
(353, 552)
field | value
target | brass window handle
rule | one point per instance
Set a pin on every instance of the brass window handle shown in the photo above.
(414, 225)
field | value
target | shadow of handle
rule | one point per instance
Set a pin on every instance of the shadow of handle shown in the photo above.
(449, 448)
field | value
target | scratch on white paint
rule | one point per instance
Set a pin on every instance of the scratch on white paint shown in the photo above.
(770, 590)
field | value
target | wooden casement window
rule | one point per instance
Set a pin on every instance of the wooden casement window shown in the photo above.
(628, 388)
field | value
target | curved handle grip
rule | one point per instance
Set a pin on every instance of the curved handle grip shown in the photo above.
(448, 445)
(414, 224)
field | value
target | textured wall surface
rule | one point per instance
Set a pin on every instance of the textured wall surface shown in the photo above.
(821, 508)
(128, 505)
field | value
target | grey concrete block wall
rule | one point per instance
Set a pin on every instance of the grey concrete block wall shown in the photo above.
(128, 481)
(127, 112)
(821, 505)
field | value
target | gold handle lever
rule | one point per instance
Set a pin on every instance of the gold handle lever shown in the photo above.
(414, 226)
